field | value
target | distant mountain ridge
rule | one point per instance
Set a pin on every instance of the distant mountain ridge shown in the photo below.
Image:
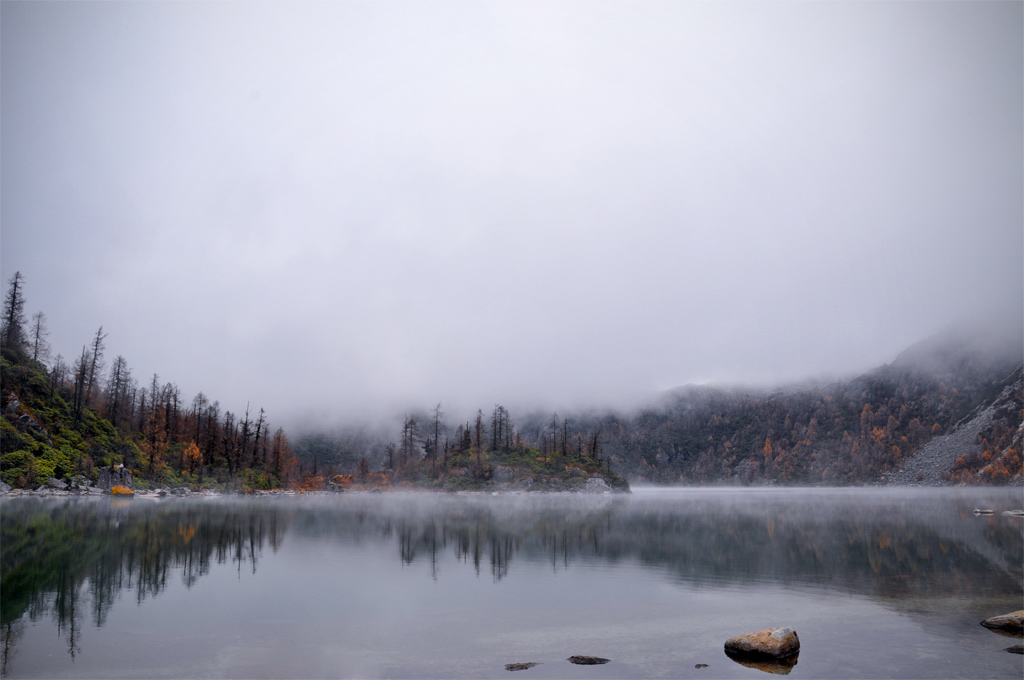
(863, 430)
(848, 432)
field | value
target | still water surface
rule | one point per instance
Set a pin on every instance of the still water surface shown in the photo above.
(878, 583)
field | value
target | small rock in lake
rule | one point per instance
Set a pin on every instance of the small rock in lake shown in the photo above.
(1012, 623)
(520, 666)
(587, 660)
(984, 512)
(775, 643)
(1014, 513)
(700, 665)
(1016, 649)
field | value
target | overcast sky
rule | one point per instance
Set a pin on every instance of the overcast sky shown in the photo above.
(341, 209)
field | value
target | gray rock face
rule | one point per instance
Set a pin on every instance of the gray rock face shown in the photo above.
(80, 482)
(926, 467)
(5, 487)
(503, 475)
(775, 643)
(117, 476)
(597, 485)
(55, 483)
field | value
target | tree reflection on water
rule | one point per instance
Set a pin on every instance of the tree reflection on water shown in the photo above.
(54, 550)
(62, 554)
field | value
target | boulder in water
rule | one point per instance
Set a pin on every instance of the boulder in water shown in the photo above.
(587, 660)
(771, 643)
(520, 666)
(1011, 624)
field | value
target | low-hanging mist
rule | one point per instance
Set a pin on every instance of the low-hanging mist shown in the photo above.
(342, 212)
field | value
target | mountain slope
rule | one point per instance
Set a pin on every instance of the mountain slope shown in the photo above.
(860, 431)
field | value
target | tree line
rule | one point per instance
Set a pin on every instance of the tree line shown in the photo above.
(70, 418)
(433, 452)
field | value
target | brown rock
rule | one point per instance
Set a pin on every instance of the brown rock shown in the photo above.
(772, 643)
(1011, 624)
(520, 666)
(587, 660)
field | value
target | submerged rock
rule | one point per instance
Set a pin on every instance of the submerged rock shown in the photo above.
(587, 660)
(1011, 624)
(770, 643)
(520, 666)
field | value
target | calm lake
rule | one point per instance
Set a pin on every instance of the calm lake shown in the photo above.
(878, 583)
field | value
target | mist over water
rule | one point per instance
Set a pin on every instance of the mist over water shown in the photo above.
(876, 582)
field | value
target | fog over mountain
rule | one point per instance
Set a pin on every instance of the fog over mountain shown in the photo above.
(343, 210)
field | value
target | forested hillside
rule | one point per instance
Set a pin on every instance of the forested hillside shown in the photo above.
(851, 432)
(62, 420)
(843, 433)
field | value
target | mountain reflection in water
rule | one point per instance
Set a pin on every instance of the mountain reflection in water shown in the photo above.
(74, 558)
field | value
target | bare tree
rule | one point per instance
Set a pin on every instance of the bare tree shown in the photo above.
(437, 433)
(257, 457)
(81, 372)
(12, 331)
(117, 385)
(40, 348)
(59, 373)
(95, 363)
(246, 432)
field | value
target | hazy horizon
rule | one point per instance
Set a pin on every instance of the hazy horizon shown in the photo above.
(342, 211)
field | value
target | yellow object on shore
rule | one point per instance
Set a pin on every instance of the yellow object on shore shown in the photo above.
(121, 491)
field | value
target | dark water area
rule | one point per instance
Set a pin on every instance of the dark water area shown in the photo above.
(878, 583)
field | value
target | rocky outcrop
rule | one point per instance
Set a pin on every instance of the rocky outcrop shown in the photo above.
(597, 485)
(115, 476)
(771, 643)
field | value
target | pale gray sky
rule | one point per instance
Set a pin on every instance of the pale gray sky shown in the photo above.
(346, 208)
